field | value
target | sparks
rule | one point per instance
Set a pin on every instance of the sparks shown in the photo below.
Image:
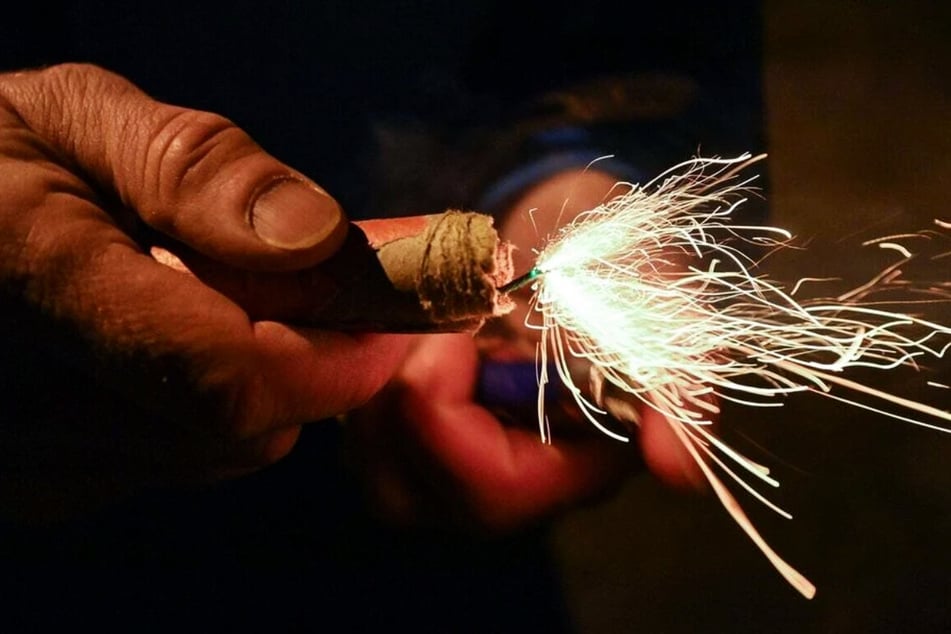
(655, 291)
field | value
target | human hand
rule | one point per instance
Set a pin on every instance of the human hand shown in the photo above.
(430, 454)
(119, 372)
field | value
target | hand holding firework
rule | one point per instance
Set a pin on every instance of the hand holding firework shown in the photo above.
(117, 368)
(159, 377)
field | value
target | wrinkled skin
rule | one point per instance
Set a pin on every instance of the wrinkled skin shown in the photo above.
(177, 382)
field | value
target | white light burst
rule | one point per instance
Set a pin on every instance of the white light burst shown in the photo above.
(655, 290)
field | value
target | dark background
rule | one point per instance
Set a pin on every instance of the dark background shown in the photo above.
(857, 107)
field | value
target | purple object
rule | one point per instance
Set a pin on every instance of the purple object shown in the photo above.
(513, 383)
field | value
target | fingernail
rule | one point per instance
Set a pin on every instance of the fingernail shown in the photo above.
(291, 214)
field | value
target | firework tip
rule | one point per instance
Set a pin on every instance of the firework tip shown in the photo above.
(520, 281)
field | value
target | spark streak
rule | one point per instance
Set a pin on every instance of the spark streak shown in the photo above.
(655, 291)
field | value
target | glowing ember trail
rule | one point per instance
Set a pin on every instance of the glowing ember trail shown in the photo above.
(654, 290)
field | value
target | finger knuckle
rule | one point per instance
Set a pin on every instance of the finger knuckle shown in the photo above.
(44, 97)
(61, 78)
(73, 77)
(184, 150)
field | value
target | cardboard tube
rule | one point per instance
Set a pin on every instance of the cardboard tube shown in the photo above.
(434, 273)
(418, 274)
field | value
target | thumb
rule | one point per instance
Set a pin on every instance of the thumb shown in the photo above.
(192, 175)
